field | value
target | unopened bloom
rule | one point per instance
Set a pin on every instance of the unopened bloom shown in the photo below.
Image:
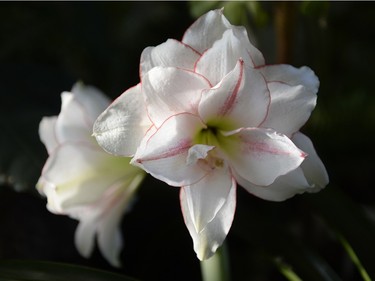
(212, 115)
(83, 181)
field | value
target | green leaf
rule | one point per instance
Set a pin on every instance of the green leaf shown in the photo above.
(309, 264)
(17, 270)
(354, 259)
(198, 8)
(258, 14)
(274, 237)
(287, 270)
(348, 219)
(314, 8)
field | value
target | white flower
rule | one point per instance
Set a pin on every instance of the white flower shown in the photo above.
(83, 181)
(212, 115)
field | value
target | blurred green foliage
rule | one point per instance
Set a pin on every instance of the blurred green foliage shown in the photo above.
(46, 47)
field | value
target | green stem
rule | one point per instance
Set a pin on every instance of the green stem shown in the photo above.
(216, 268)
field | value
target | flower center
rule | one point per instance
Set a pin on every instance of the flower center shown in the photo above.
(208, 136)
(211, 162)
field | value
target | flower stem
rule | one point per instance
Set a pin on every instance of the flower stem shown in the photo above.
(216, 268)
(285, 28)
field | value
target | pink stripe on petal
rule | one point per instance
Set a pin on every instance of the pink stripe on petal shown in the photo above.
(264, 147)
(180, 148)
(230, 101)
(263, 155)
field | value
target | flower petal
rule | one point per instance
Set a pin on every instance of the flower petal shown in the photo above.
(207, 197)
(83, 180)
(74, 172)
(170, 53)
(73, 123)
(263, 155)
(102, 217)
(215, 231)
(102, 220)
(293, 97)
(84, 236)
(62, 178)
(206, 30)
(165, 153)
(92, 100)
(219, 60)
(284, 187)
(210, 27)
(110, 237)
(121, 127)
(118, 198)
(95, 189)
(241, 97)
(169, 91)
(292, 76)
(47, 133)
(198, 152)
(313, 168)
(79, 109)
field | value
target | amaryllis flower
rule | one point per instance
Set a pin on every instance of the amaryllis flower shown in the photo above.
(208, 115)
(83, 181)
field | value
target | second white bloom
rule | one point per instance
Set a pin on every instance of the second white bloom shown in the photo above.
(81, 180)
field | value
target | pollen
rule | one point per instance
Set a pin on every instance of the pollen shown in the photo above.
(219, 163)
(211, 163)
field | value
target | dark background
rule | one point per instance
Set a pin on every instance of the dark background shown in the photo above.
(46, 47)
